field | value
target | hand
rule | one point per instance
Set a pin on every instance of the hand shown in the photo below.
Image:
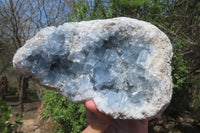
(97, 121)
(101, 123)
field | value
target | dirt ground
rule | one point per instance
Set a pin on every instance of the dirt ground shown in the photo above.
(32, 120)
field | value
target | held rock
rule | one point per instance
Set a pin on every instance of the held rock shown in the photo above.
(123, 64)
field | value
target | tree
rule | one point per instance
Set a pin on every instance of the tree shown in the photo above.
(21, 19)
(15, 29)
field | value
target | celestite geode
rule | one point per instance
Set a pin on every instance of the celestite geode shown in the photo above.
(123, 64)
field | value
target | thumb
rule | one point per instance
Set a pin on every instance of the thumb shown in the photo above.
(91, 106)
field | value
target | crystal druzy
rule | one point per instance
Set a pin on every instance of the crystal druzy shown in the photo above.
(123, 64)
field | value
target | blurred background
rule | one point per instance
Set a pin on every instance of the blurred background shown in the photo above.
(27, 107)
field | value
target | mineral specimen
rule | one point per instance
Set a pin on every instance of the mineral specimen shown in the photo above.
(123, 64)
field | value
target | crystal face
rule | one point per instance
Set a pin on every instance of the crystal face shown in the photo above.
(122, 64)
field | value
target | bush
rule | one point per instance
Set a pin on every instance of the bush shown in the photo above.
(12, 90)
(70, 116)
(180, 99)
(5, 115)
(32, 94)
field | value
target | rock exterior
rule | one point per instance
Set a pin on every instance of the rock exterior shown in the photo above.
(123, 64)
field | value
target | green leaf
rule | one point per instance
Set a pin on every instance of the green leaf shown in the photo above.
(133, 2)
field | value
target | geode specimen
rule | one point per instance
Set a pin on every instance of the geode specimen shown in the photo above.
(123, 64)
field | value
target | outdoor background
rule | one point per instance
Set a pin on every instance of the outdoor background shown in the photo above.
(34, 109)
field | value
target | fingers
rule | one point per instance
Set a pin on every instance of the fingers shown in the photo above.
(97, 121)
(91, 106)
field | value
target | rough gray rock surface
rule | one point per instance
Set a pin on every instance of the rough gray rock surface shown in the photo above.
(123, 64)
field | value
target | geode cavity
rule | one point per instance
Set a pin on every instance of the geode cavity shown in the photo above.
(123, 64)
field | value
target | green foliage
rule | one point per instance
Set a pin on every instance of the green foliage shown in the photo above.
(180, 70)
(12, 91)
(5, 115)
(70, 116)
(81, 10)
(134, 2)
(179, 67)
(18, 120)
(32, 94)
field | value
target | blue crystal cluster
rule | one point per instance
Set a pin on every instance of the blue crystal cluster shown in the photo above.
(109, 61)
